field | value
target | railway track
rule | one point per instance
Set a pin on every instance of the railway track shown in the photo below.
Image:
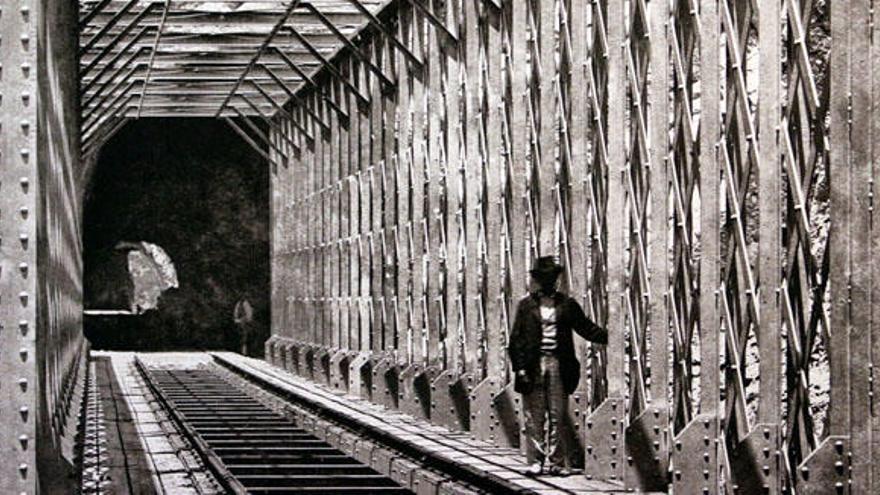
(252, 449)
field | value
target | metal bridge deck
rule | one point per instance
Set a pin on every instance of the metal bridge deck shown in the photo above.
(253, 449)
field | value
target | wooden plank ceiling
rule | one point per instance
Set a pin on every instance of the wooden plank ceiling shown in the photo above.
(207, 58)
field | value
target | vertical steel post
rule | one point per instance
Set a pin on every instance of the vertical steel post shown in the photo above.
(695, 449)
(19, 210)
(603, 442)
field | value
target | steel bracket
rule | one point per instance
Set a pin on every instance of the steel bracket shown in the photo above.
(603, 441)
(695, 457)
(290, 354)
(269, 349)
(450, 400)
(339, 369)
(306, 363)
(321, 369)
(414, 396)
(360, 376)
(573, 425)
(495, 413)
(827, 468)
(647, 449)
(754, 463)
(385, 382)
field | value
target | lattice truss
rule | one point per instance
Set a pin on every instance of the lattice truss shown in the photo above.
(673, 154)
(802, 155)
(184, 58)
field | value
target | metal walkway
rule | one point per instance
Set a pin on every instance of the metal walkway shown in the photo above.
(250, 447)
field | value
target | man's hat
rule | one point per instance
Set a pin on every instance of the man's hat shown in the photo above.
(546, 267)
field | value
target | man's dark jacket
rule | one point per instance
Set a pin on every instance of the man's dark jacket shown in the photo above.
(525, 339)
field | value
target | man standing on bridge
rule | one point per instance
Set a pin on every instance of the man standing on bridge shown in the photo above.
(542, 354)
(243, 315)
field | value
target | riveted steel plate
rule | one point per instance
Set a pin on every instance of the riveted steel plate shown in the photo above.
(450, 400)
(827, 469)
(19, 209)
(321, 372)
(494, 413)
(573, 425)
(360, 376)
(306, 363)
(290, 355)
(694, 457)
(385, 382)
(414, 397)
(646, 451)
(754, 462)
(339, 370)
(269, 350)
(603, 441)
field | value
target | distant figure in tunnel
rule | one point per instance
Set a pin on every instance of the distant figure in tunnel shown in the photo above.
(243, 314)
(542, 355)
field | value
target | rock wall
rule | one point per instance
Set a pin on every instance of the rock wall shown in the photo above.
(198, 191)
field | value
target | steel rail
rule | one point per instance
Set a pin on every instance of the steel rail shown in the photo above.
(250, 447)
(218, 469)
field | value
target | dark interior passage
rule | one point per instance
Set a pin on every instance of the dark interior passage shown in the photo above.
(196, 190)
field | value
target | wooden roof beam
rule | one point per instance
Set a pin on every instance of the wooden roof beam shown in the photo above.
(87, 18)
(112, 63)
(249, 140)
(259, 132)
(390, 85)
(107, 49)
(266, 42)
(274, 124)
(153, 55)
(297, 101)
(112, 22)
(320, 89)
(433, 19)
(414, 60)
(328, 65)
(109, 81)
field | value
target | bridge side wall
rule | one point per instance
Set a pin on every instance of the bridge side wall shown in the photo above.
(61, 348)
(41, 344)
(682, 159)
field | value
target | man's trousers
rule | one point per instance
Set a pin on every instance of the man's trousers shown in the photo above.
(548, 402)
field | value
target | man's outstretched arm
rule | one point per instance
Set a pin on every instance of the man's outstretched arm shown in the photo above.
(584, 326)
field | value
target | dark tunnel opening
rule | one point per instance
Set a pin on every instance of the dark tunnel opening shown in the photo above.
(166, 182)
